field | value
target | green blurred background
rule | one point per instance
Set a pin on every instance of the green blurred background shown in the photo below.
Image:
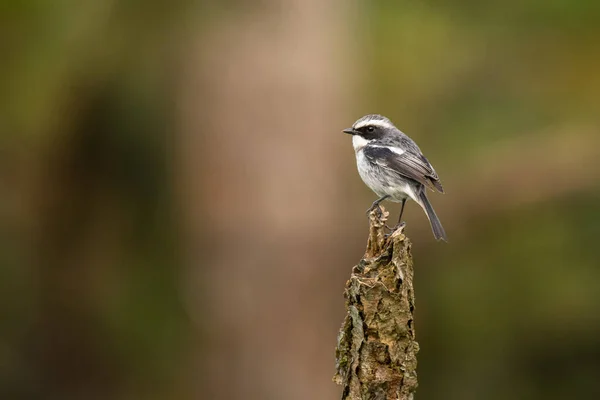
(179, 210)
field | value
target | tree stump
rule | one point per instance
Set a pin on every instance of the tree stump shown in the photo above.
(376, 348)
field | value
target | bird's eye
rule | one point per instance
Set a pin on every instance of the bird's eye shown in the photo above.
(370, 128)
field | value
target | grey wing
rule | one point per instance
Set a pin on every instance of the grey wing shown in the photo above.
(407, 164)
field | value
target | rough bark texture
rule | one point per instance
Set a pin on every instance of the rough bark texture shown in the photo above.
(376, 351)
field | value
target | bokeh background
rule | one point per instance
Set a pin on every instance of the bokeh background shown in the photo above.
(180, 211)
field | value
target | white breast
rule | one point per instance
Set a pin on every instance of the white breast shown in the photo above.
(381, 181)
(369, 175)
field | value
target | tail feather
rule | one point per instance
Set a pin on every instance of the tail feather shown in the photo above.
(438, 185)
(436, 226)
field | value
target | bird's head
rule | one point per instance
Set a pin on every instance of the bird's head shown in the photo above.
(372, 126)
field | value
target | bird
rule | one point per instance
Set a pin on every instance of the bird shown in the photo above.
(393, 166)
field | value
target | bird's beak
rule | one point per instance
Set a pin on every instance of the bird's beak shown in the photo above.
(350, 131)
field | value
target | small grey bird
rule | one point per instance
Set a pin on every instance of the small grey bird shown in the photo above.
(392, 165)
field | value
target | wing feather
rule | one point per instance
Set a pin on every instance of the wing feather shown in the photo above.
(406, 163)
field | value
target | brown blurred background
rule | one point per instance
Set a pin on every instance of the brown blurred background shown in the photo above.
(179, 209)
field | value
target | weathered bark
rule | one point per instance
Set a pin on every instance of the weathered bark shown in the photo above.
(376, 350)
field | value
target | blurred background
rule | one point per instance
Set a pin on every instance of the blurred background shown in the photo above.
(180, 211)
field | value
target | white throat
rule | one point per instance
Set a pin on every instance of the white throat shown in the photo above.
(359, 142)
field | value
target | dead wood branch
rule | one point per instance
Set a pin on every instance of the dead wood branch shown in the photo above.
(376, 349)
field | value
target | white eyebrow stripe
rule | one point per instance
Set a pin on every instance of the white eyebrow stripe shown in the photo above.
(375, 122)
(396, 150)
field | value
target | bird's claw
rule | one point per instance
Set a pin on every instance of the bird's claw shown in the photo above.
(395, 228)
(373, 208)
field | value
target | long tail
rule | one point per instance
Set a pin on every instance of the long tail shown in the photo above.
(436, 225)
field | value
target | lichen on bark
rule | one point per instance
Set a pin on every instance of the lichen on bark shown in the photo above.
(376, 350)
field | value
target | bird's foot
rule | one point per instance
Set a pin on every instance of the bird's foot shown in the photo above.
(377, 207)
(400, 224)
(395, 228)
